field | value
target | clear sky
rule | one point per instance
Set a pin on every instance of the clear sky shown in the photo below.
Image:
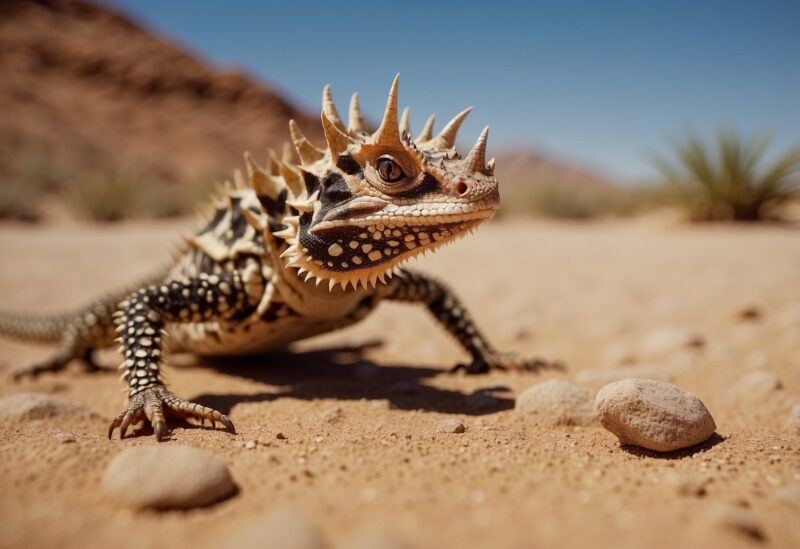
(599, 83)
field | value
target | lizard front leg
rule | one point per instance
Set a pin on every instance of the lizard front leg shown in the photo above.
(412, 286)
(141, 320)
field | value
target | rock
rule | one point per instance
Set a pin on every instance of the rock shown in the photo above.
(793, 423)
(452, 425)
(557, 402)
(644, 371)
(790, 494)
(756, 385)
(667, 340)
(23, 407)
(653, 414)
(286, 527)
(281, 436)
(739, 520)
(167, 477)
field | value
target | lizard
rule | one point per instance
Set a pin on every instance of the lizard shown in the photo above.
(309, 243)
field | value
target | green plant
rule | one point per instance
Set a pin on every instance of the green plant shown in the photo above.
(729, 179)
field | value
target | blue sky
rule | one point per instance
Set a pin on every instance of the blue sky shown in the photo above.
(596, 83)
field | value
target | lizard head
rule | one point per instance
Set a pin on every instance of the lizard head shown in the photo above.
(372, 200)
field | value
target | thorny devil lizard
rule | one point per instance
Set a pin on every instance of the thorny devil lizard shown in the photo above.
(304, 247)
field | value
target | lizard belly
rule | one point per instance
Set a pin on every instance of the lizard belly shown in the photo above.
(243, 338)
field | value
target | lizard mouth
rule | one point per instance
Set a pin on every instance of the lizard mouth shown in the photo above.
(370, 211)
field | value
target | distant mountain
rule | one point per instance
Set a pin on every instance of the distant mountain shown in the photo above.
(517, 167)
(90, 86)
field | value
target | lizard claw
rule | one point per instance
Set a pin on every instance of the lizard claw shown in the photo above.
(152, 403)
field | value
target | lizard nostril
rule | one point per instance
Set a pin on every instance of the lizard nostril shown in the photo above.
(462, 187)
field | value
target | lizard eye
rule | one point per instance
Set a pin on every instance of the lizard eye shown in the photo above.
(389, 170)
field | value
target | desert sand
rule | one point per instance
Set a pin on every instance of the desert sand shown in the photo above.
(360, 455)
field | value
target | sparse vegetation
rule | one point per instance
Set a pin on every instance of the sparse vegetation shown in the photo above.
(558, 200)
(729, 180)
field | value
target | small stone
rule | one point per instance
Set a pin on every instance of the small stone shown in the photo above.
(739, 520)
(667, 340)
(250, 444)
(790, 494)
(653, 414)
(167, 477)
(281, 436)
(23, 407)
(286, 527)
(452, 425)
(756, 385)
(557, 402)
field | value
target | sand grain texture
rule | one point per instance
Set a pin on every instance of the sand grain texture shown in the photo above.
(377, 462)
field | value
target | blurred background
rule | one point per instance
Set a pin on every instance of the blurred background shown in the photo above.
(132, 108)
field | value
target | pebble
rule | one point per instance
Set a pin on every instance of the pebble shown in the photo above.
(653, 414)
(281, 436)
(167, 477)
(751, 313)
(23, 407)
(452, 425)
(739, 520)
(285, 527)
(667, 340)
(790, 494)
(756, 385)
(557, 402)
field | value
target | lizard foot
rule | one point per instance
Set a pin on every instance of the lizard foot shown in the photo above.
(507, 361)
(151, 403)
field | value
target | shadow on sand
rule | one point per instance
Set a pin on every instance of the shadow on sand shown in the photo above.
(344, 373)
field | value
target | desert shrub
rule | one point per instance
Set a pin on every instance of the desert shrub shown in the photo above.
(19, 202)
(113, 194)
(730, 179)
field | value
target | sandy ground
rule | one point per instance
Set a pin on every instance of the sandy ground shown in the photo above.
(361, 450)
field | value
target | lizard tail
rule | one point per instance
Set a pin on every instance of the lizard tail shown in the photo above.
(32, 328)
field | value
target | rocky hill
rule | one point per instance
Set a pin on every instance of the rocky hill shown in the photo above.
(90, 86)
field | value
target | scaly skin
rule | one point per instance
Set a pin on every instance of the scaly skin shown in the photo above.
(307, 246)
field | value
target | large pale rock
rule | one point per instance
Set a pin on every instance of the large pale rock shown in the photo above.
(653, 414)
(557, 402)
(793, 423)
(286, 527)
(32, 406)
(167, 477)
